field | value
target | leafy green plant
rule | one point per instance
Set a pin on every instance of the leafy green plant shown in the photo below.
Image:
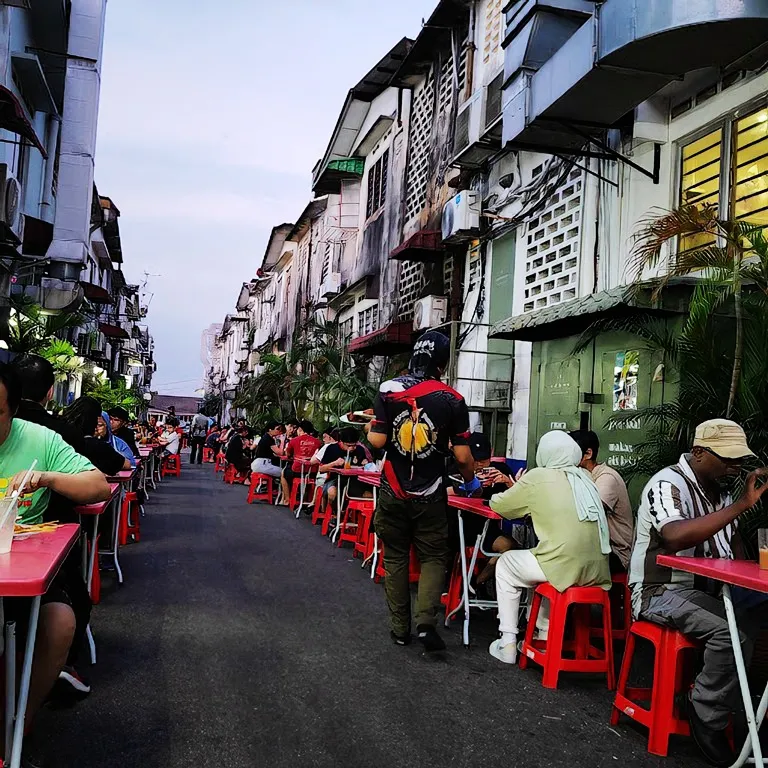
(716, 354)
(30, 329)
(315, 380)
(114, 394)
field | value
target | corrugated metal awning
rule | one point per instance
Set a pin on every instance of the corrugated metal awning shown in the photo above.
(426, 245)
(572, 317)
(389, 340)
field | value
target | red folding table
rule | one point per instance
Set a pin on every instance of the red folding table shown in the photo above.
(27, 571)
(738, 573)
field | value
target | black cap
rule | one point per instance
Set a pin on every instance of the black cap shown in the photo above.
(480, 446)
(119, 413)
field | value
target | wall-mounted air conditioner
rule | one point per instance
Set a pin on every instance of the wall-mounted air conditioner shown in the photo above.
(331, 285)
(260, 337)
(10, 201)
(461, 217)
(430, 312)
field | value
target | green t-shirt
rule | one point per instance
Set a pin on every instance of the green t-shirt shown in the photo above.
(28, 442)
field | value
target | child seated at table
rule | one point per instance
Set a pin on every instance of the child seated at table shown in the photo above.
(347, 453)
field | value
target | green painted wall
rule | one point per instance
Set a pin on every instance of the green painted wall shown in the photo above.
(568, 390)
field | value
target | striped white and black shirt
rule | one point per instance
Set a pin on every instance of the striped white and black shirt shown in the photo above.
(670, 495)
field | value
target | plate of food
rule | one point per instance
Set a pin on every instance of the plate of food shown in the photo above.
(357, 418)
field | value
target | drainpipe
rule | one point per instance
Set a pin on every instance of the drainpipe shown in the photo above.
(471, 50)
(71, 232)
(51, 142)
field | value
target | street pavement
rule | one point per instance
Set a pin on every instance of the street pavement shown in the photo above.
(242, 638)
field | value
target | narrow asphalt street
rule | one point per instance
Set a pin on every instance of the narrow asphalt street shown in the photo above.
(242, 638)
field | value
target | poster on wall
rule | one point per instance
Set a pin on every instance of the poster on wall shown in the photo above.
(625, 375)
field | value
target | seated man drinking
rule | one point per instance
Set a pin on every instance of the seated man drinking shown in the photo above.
(346, 453)
(61, 470)
(686, 509)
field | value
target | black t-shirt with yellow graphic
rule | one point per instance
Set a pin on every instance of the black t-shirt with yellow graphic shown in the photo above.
(420, 417)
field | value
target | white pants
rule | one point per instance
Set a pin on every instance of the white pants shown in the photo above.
(265, 467)
(518, 570)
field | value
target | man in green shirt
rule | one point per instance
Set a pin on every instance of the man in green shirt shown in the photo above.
(59, 468)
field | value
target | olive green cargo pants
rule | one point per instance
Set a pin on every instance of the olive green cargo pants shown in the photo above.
(401, 524)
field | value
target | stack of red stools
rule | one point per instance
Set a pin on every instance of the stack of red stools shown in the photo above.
(672, 676)
(207, 455)
(550, 653)
(268, 494)
(95, 573)
(221, 463)
(452, 599)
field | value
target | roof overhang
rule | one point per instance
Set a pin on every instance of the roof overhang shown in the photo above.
(337, 171)
(573, 317)
(29, 70)
(275, 245)
(394, 338)
(354, 112)
(630, 50)
(436, 35)
(13, 118)
(376, 132)
(308, 215)
(426, 245)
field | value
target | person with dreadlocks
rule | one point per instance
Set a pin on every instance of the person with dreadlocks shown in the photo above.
(418, 419)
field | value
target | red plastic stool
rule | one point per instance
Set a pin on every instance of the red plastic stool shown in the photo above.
(363, 540)
(171, 465)
(130, 519)
(268, 494)
(452, 599)
(327, 518)
(350, 526)
(207, 455)
(95, 574)
(621, 602)
(317, 508)
(549, 653)
(672, 675)
(221, 463)
(309, 487)
(414, 567)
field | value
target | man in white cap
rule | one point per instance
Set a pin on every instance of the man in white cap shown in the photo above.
(687, 509)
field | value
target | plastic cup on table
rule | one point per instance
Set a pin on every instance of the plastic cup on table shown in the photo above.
(762, 542)
(6, 531)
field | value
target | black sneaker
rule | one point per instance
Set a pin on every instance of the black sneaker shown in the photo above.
(400, 639)
(429, 638)
(713, 744)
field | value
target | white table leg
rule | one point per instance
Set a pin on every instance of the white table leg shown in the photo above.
(91, 643)
(375, 555)
(753, 741)
(10, 687)
(301, 493)
(339, 504)
(26, 676)
(118, 511)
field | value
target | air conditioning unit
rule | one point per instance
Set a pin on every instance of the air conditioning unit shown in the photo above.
(492, 107)
(461, 217)
(467, 130)
(331, 285)
(430, 312)
(10, 201)
(260, 338)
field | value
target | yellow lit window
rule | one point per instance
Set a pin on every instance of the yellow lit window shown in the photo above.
(750, 168)
(702, 161)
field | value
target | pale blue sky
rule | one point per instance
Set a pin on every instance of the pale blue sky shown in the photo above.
(212, 117)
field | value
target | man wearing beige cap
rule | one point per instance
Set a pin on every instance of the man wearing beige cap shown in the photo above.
(686, 509)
